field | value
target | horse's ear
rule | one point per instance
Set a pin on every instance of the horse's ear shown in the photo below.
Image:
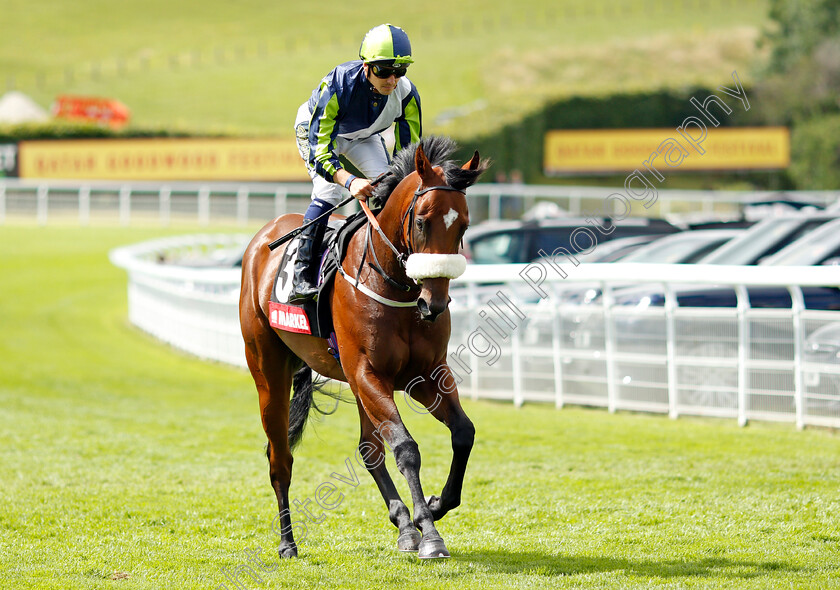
(423, 166)
(472, 164)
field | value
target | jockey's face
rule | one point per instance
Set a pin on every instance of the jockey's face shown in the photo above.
(382, 85)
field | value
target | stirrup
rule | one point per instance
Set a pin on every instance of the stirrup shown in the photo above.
(303, 288)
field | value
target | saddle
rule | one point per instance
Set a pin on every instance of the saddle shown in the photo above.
(312, 317)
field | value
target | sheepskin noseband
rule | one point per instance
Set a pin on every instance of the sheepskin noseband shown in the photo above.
(432, 266)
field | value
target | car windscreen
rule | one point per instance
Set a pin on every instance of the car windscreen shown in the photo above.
(585, 238)
(548, 239)
(501, 248)
(808, 254)
(615, 250)
(815, 247)
(688, 249)
(762, 240)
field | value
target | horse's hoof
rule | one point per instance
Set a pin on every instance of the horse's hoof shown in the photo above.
(436, 506)
(432, 549)
(409, 541)
(286, 551)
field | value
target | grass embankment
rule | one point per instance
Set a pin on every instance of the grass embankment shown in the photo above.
(125, 464)
(245, 67)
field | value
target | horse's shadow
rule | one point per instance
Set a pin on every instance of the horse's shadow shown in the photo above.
(530, 562)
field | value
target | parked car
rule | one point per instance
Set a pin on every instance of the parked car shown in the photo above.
(782, 205)
(681, 248)
(712, 338)
(756, 245)
(509, 242)
(766, 238)
(615, 250)
(820, 246)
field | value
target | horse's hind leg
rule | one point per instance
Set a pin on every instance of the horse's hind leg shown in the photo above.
(272, 365)
(372, 451)
(446, 407)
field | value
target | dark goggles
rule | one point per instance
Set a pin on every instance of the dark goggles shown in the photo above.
(386, 72)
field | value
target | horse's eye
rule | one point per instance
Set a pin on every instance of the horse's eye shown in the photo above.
(419, 223)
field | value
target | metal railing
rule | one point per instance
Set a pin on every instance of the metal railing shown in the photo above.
(512, 342)
(161, 203)
(244, 203)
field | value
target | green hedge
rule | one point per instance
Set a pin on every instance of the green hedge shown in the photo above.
(67, 130)
(815, 154)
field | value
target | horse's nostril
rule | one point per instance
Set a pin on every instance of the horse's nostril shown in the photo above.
(427, 313)
(423, 306)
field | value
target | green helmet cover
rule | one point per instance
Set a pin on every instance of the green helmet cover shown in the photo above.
(386, 43)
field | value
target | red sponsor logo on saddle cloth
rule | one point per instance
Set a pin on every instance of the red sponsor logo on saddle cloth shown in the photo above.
(288, 317)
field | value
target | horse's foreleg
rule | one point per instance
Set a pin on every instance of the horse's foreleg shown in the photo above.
(372, 451)
(446, 407)
(378, 400)
(271, 367)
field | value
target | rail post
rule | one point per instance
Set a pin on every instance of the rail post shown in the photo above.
(797, 305)
(557, 348)
(125, 205)
(84, 206)
(609, 347)
(280, 201)
(242, 206)
(165, 202)
(204, 206)
(743, 351)
(671, 350)
(42, 203)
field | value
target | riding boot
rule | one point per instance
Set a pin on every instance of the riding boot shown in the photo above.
(305, 284)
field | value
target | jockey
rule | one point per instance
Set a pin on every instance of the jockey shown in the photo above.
(345, 116)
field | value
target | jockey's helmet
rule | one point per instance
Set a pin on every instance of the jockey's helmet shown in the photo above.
(386, 44)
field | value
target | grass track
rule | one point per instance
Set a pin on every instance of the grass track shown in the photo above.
(118, 454)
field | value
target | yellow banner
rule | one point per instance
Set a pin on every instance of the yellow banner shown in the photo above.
(692, 147)
(163, 159)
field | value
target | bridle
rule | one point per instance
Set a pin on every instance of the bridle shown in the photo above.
(409, 213)
(401, 257)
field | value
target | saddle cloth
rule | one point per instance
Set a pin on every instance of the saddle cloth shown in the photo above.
(311, 317)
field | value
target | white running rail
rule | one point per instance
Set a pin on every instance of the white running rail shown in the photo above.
(512, 342)
(243, 203)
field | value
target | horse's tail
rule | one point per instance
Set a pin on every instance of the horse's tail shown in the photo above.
(302, 402)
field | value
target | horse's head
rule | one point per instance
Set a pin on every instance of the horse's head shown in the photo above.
(433, 224)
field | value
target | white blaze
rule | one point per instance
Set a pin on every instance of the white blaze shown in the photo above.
(450, 218)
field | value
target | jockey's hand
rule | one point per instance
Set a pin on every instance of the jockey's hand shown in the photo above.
(361, 188)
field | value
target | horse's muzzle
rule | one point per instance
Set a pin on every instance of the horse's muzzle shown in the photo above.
(433, 272)
(428, 312)
(434, 298)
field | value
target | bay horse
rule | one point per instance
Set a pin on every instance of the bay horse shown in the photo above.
(382, 347)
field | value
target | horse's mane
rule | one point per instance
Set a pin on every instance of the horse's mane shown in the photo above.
(439, 150)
